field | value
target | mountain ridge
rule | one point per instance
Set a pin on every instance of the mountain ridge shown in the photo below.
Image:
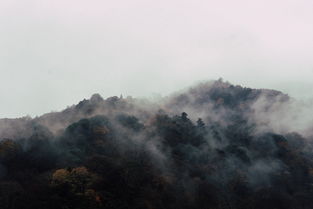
(213, 146)
(206, 92)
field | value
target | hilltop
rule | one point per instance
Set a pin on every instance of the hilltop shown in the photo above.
(214, 145)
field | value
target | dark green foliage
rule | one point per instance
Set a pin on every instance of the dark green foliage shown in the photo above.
(130, 122)
(160, 160)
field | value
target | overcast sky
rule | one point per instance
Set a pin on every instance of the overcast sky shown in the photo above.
(54, 53)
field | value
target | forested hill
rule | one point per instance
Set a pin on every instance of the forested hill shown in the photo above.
(209, 100)
(214, 146)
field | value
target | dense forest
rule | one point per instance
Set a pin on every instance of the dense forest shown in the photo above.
(212, 146)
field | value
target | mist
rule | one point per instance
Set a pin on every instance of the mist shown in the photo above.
(212, 144)
(54, 53)
(156, 104)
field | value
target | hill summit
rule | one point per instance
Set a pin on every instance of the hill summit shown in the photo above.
(214, 145)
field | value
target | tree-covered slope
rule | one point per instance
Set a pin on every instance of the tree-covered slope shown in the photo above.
(212, 146)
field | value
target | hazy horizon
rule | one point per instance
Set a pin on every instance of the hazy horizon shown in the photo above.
(55, 53)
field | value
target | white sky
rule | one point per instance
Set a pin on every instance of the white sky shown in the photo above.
(54, 53)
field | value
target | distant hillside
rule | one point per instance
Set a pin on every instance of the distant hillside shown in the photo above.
(214, 146)
(203, 98)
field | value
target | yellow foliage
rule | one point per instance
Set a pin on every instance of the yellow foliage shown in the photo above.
(80, 171)
(78, 179)
(60, 175)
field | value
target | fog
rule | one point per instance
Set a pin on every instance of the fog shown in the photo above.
(54, 53)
